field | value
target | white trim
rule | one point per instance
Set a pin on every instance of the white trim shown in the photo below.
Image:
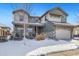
(36, 24)
(24, 31)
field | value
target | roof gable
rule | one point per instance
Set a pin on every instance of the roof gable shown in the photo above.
(20, 10)
(58, 11)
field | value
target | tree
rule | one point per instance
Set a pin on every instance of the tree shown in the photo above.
(25, 6)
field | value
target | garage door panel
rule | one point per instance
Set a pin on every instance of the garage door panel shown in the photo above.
(62, 34)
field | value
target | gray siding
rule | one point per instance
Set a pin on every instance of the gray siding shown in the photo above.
(63, 16)
(34, 20)
(49, 27)
(17, 17)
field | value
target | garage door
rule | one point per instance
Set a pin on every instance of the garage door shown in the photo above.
(63, 34)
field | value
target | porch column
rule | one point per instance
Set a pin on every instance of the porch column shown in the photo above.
(24, 31)
(14, 31)
(36, 30)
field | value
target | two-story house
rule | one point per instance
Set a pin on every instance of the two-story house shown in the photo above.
(24, 24)
(53, 21)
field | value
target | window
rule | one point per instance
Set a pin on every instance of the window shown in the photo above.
(46, 18)
(63, 19)
(29, 29)
(21, 17)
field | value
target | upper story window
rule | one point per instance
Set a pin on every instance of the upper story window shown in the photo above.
(21, 18)
(63, 19)
(15, 17)
(54, 18)
(46, 18)
(35, 20)
(38, 20)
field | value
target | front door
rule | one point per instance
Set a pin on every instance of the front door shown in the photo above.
(40, 30)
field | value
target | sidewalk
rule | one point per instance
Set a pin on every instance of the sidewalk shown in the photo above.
(74, 52)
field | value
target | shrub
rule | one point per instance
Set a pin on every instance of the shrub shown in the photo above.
(51, 35)
(40, 37)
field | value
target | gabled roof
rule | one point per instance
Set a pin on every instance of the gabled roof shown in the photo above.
(2, 25)
(21, 10)
(63, 24)
(43, 14)
(54, 9)
(60, 10)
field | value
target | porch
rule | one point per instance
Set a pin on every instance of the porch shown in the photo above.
(27, 30)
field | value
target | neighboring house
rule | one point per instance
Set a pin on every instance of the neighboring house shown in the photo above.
(76, 31)
(4, 31)
(53, 23)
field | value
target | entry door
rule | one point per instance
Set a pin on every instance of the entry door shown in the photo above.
(40, 30)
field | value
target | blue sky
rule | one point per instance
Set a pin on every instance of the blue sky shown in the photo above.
(6, 10)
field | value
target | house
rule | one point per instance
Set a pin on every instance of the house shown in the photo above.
(53, 23)
(76, 31)
(24, 24)
(4, 31)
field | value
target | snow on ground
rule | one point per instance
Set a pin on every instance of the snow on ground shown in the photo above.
(53, 48)
(21, 48)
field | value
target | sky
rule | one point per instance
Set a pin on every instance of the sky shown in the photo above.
(38, 9)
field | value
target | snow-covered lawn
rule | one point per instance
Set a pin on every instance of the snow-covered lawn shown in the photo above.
(21, 48)
(53, 48)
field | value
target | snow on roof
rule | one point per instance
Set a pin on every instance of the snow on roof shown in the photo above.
(63, 24)
(60, 10)
(2, 25)
(54, 9)
(21, 10)
(36, 24)
(77, 24)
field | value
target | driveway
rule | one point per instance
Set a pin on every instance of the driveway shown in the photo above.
(74, 52)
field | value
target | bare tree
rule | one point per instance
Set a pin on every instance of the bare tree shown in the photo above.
(25, 6)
